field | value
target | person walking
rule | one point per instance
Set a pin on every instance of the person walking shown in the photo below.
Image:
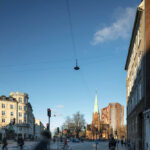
(112, 144)
(20, 142)
(44, 142)
(4, 144)
(65, 144)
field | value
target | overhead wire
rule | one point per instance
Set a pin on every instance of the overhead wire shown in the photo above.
(71, 29)
(74, 45)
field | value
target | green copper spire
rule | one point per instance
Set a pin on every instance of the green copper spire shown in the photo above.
(96, 104)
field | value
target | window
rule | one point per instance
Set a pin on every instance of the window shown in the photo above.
(11, 106)
(139, 91)
(139, 59)
(135, 96)
(25, 100)
(132, 79)
(20, 114)
(20, 121)
(25, 107)
(3, 112)
(134, 51)
(11, 113)
(20, 107)
(3, 105)
(135, 70)
(3, 120)
(25, 115)
(139, 36)
(20, 99)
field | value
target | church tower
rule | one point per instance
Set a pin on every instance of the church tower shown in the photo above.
(95, 127)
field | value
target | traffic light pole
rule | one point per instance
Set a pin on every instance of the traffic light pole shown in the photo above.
(49, 123)
(49, 115)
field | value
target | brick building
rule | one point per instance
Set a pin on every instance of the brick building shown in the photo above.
(138, 79)
(112, 118)
(113, 115)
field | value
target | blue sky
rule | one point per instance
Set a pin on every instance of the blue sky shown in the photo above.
(37, 55)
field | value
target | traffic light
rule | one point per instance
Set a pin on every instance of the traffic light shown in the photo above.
(47, 126)
(57, 129)
(49, 112)
(116, 132)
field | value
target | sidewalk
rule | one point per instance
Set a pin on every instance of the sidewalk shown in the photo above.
(121, 147)
(28, 145)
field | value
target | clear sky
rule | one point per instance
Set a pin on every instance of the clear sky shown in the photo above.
(37, 54)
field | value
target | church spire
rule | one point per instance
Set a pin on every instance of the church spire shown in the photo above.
(96, 104)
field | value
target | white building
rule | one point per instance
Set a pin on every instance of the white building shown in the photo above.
(39, 127)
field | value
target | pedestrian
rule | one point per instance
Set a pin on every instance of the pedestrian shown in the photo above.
(20, 142)
(121, 142)
(112, 144)
(44, 142)
(65, 143)
(4, 144)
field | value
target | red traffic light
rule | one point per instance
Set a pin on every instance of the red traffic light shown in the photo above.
(49, 112)
(47, 126)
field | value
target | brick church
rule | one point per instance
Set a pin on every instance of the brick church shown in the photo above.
(110, 122)
(94, 130)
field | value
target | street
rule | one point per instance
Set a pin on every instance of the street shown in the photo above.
(90, 146)
(73, 146)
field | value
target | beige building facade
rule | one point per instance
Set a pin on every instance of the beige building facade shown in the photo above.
(138, 79)
(17, 109)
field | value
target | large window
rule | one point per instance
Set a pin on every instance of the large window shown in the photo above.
(135, 70)
(20, 121)
(139, 91)
(11, 106)
(20, 107)
(25, 100)
(3, 112)
(25, 108)
(20, 99)
(3, 105)
(11, 113)
(20, 114)
(3, 120)
(139, 36)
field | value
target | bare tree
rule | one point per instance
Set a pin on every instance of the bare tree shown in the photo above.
(75, 124)
(79, 123)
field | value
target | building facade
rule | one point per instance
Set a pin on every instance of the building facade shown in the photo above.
(17, 110)
(112, 119)
(8, 107)
(39, 127)
(138, 79)
(113, 115)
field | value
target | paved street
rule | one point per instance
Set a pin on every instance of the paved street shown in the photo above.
(73, 146)
(90, 146)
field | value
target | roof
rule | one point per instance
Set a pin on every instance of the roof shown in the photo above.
(138, 14)
(96, 105)
(4, 98)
